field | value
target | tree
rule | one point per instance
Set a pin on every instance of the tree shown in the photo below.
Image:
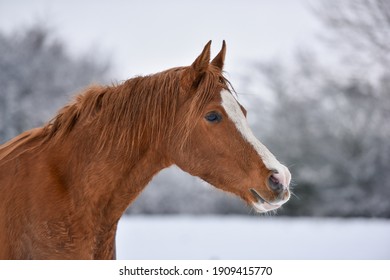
(331, 122)
(37, 75)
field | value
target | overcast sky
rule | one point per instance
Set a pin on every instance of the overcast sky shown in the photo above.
(146, 36)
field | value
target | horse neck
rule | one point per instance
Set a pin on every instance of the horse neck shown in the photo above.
(103, 158)
(101, 182)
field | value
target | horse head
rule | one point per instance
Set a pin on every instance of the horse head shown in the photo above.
(220, 147)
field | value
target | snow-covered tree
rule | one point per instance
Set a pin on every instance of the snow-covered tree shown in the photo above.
(331, 121)
(37, 76)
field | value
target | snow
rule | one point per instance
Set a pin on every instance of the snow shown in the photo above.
(235, 237)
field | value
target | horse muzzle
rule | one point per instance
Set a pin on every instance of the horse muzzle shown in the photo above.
(263, 205)
(278, 182)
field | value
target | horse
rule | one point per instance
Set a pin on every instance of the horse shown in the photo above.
(65, 185)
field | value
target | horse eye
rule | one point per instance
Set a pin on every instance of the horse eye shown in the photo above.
(213, 117)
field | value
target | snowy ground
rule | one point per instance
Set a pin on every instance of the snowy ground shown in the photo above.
(188, 237)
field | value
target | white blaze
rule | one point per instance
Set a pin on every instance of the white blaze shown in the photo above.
(236, 115)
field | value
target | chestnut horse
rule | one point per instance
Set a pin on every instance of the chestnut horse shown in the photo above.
(64, 186)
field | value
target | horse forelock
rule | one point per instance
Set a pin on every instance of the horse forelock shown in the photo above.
(210, 85)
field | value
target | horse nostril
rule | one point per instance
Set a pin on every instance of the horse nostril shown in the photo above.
(275, 184)
(274, 179)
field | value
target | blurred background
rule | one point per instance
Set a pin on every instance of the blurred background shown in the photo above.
(313, 75)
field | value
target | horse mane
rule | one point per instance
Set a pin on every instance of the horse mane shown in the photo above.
(19, 144)
(141, 109)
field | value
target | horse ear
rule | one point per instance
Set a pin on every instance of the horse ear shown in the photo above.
(202, 61)
(219, 60)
